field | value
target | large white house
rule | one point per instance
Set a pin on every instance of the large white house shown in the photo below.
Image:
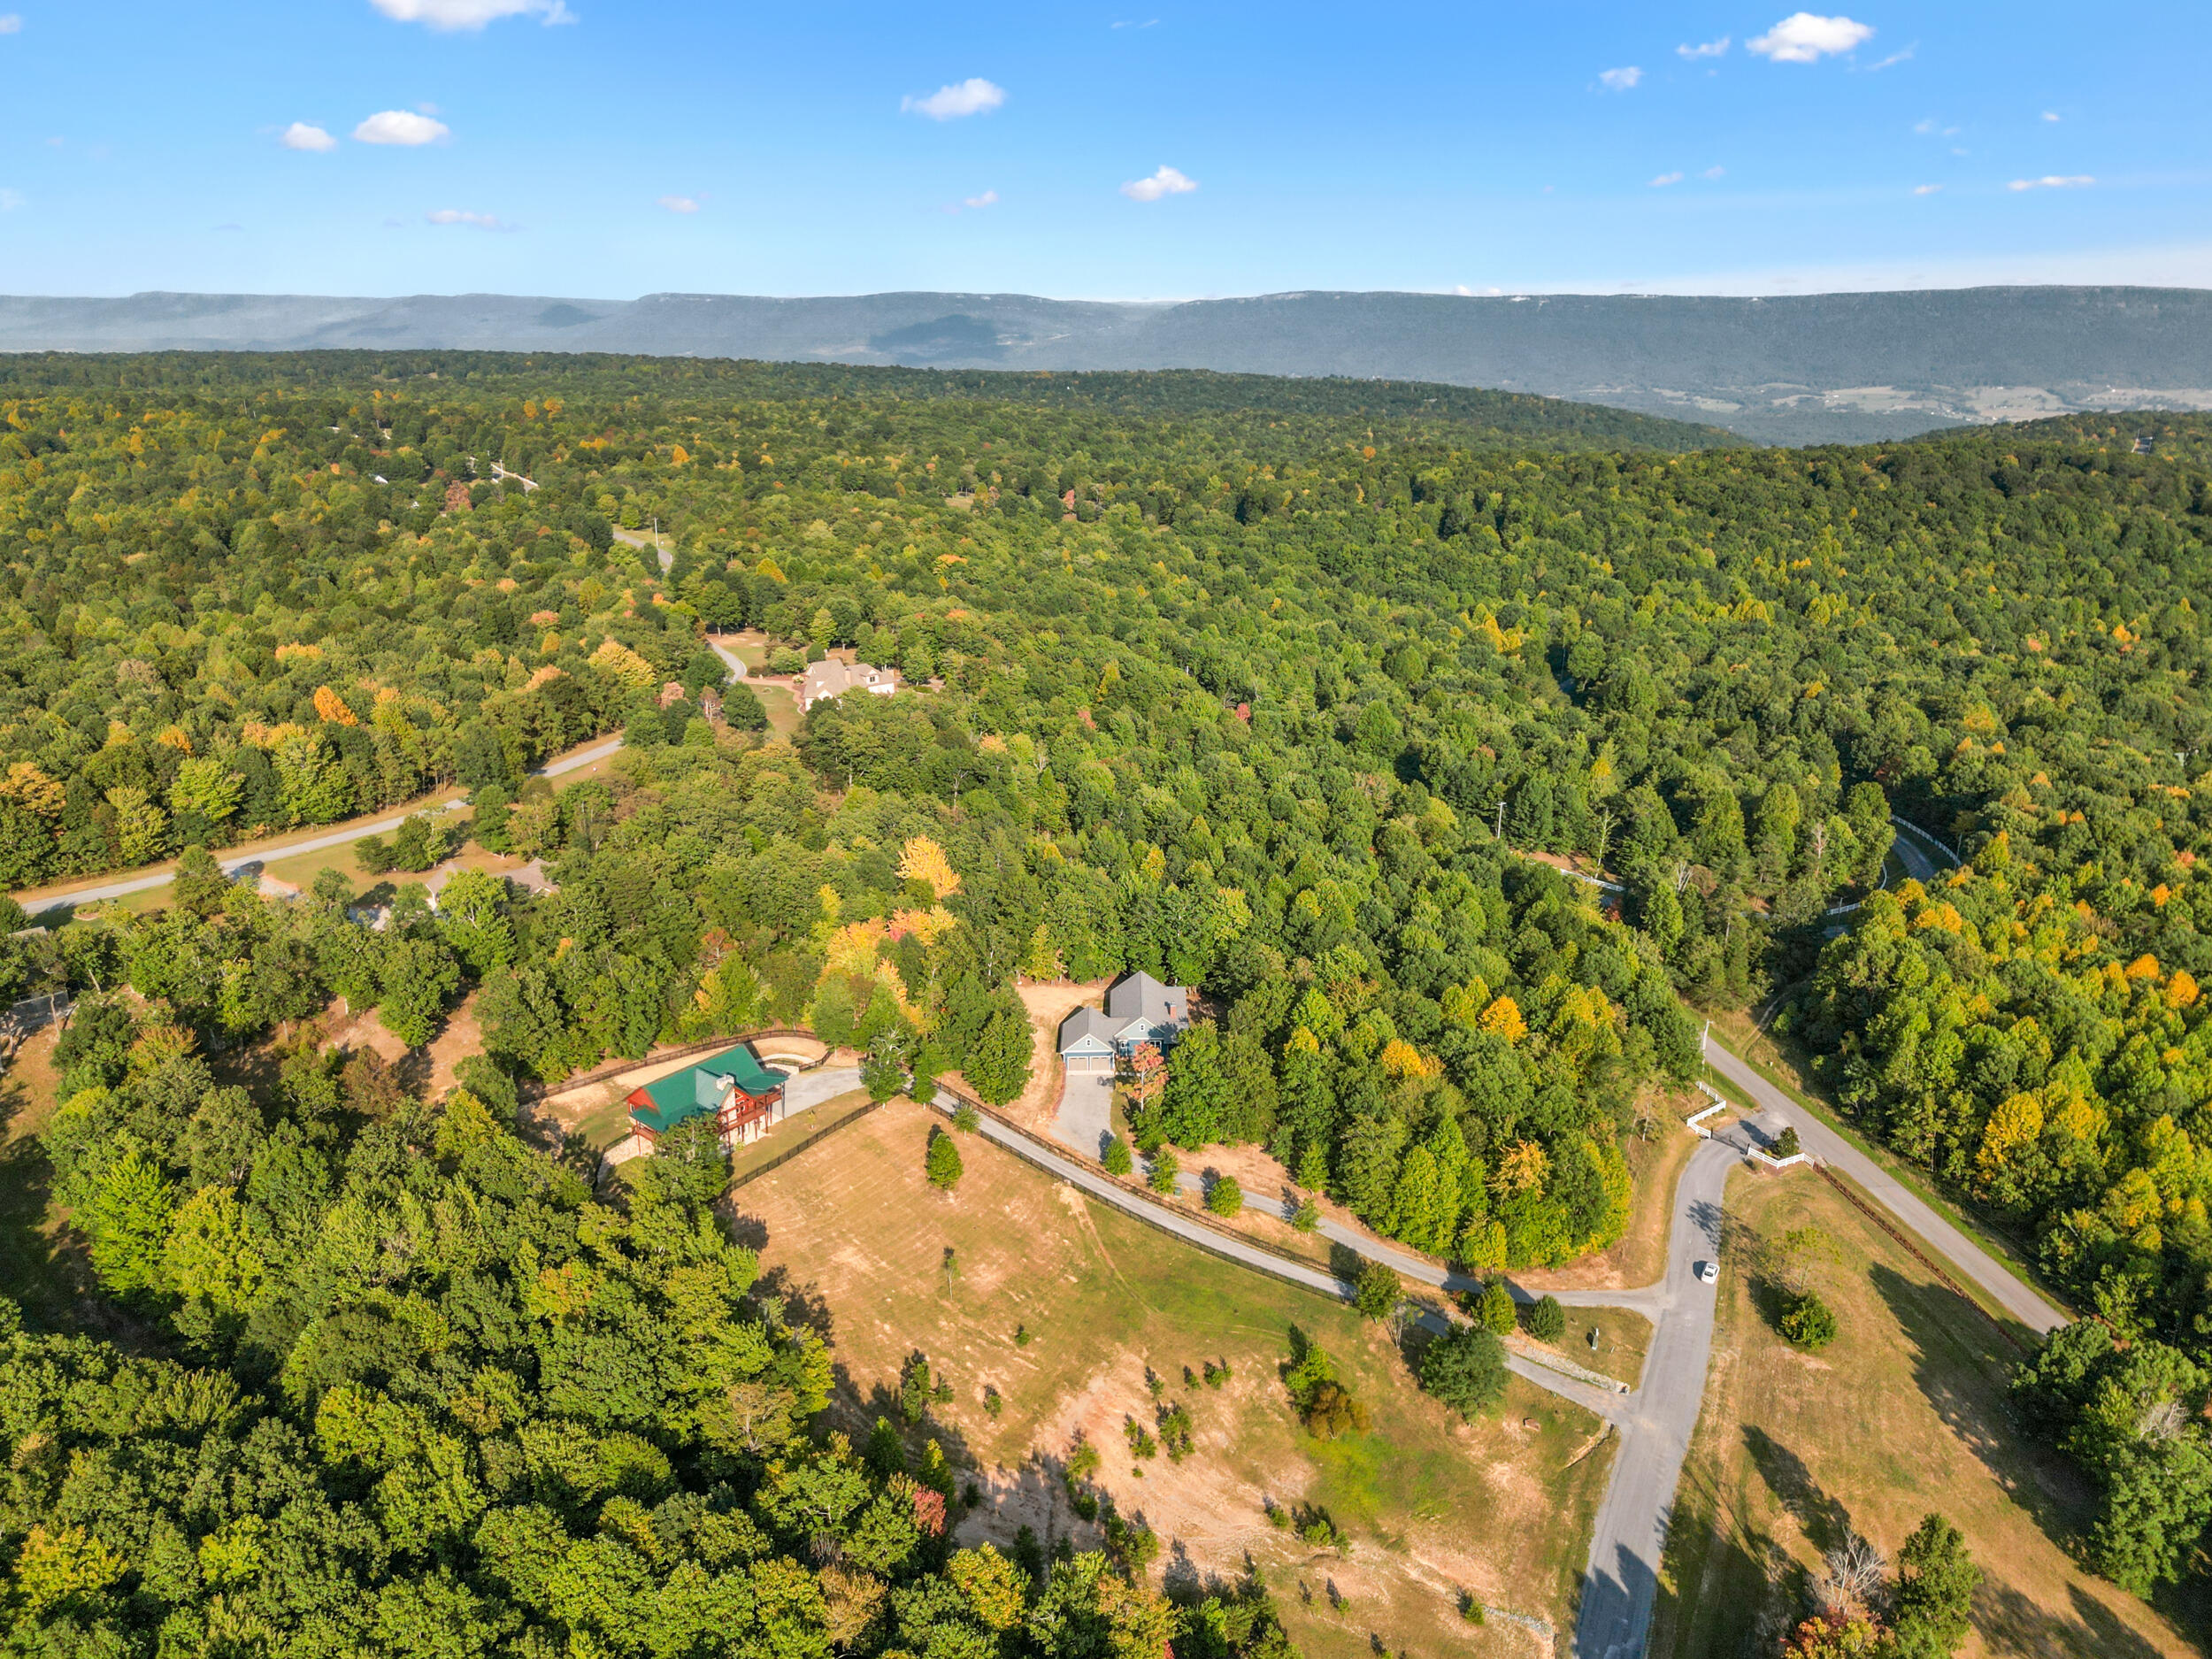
(1138, 1009)
(832, 678)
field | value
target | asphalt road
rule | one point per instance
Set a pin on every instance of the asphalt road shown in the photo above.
(292, 849)
(1832, 1149)
(1620, 1587)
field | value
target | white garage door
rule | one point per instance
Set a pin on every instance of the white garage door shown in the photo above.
(1088, 1063)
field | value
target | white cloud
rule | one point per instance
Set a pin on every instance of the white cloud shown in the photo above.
(300, 136)
(10, 200)
(1715, 172)
(1710, 49)
(2050, 115)
(989, 198)
(1619, 79)
(11, 24)
(472, 14)
(1894, 59)
(457, 216)
(1167, 181)
(401, 127)
(678, 203)
(1803, 38)
(1925, 189)
(973, 97)
(1665, 179)
(2052, 181)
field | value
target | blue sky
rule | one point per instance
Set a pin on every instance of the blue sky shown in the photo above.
(610, 148)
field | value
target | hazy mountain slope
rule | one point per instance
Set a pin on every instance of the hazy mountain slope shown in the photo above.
(1794, 369)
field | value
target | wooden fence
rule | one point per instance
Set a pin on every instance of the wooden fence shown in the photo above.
(1872, 1213)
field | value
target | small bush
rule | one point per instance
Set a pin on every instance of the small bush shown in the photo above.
(1316, 1526)
(942, 1164)
(1496, 1308)
(1545, 1319)
(1217, 1375)
(1308, 1215)
(1785, 1144)
(1022, 1339)
(1470, 1609)
(1175, 1431)
(1117, 1159)
(1164, 1170)
(1325, 1405)
(1226, 1198)
(1809, 1322)
(1141, 1441)
(993, 1402)
(964, 1120)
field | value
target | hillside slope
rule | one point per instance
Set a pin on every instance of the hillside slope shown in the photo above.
(1801, 369)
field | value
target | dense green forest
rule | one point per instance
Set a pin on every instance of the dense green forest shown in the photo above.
(1234, 681)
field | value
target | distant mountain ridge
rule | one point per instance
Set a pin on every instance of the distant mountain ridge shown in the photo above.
(1794, 369)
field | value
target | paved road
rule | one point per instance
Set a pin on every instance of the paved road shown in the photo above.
(1832, 1149)
(1620, 1587)
(292, 849)
(1923, 856)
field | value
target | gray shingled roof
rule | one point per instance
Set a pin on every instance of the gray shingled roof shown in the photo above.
(1086, 1021)
(1140, 996)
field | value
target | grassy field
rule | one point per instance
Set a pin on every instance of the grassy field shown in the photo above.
(1433, 1507)
(1622, 1339)
(782, 707)
(1903, 1414)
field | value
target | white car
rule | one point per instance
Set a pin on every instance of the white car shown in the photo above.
(1708, 1273)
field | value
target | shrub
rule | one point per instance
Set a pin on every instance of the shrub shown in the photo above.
(1325, 1405)
(1226, 1198)
(942, 1164)
(1545, 1319)
(1809, 1322)
(1175, 1431)
(1117, 1159)
(1164, 1170)
(993, 1402)
(1785, 1144)
(1465, 1369)
(1309, 1216)
(1141, 1441)
(1217, 1375)
(1376, 1292)
(1496, 1308)
(965, 1120)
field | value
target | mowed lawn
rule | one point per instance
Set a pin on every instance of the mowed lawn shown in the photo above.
(1434, 1509)
(1903, 1414)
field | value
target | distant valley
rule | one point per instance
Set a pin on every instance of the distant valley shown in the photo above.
(1809, 369)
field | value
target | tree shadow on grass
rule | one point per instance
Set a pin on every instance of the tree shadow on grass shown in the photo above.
(1960, 1363)
(2009, 1623)
(1827, 1522)
(1718, 1584)
(803, 1306)
(32, 1270)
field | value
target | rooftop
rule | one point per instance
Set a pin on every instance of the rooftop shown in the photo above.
(668, 1101)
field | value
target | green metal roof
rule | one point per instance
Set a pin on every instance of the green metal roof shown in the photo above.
(663, 1104)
